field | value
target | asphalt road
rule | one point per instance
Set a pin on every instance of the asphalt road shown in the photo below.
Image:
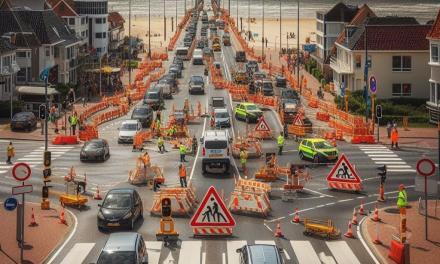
(317, 201)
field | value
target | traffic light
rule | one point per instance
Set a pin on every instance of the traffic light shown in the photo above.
(378, 111)
(47, 172)
(166, 207)
(382, 173)
(45, 192)
(47, 158)
(42, 111)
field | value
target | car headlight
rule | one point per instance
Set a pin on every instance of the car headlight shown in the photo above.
(100, 215)
(128, 215)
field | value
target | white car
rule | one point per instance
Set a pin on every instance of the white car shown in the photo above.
(128, 129)
(222, 118)
(216, 150)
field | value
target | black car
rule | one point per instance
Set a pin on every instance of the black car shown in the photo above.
(200, 44)
(280, 81)
(24, 120)
(179, 61)
(260, 253)
(144, 114)
(154, 98)
(286, 94)
(167, 79)
(176, 70)
(95, 150)
(120, 208)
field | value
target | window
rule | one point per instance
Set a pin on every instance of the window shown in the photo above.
(100, 20)
(47, 50)
(72, 21)
(98, 50)
(432, 94)
(358, 61)
(401, 63)
(104, 34)
(98, 35)
(435, 52)
(83, 21)
(57, 52)
(401, 89)
(21, 54)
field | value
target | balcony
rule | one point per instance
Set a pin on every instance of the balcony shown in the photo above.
(340, 67)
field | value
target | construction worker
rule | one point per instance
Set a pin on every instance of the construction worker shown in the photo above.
(402, 198)
(157, 127)
(280, 142)
(182, 175)
(10, 151)
(243, 160)
(182, 151)
(146, 159)
(73, 122)
(394, 138)
(161, 145)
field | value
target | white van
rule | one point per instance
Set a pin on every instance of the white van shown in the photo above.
(128, 130)
(198, 57)
(215, 150)
(182, 53)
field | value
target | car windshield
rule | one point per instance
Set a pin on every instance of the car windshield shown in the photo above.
(120, 257)
(117, 201)
(21, 116)
(251, 107)
(196, 79)
(267, 85)
(153, 95)
(322, 145)
(216, 144)
(93, 145)
(262, 254)
(222, 115)
(140, 111)
(129, 127)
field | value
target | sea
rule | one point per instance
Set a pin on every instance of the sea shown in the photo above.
(422, 10)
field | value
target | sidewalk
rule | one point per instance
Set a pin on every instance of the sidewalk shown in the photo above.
(421, 251)
(414, 137)
(40, 241)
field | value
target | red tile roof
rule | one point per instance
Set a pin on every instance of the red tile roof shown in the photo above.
(115, 20)
(363, 13)
(63, 7)
(398, 37)
(435, 31)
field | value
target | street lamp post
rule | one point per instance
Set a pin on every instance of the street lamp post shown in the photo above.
(280, 28)
(262, 38)
(164, 22)
(297, 54)
(149, 29)
(129, 49)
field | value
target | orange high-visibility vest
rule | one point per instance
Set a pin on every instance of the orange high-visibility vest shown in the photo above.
(394, 136)
(182, 172)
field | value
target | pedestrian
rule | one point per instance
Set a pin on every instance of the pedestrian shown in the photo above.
(129, 100)
(280, 142)
(161, 145)
(243, 160)
(286, 130)
(395, 138)
(84, 101)
(146, 160)
(73, 122)
(389, 129)
(394, 123)
(182, 151)
(402, 198)
(10, 151)
(182, 175)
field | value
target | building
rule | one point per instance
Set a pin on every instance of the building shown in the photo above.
(8, 67)
(433, 104)
(115, 31)
(328, 27)
(398, 52)
(97, 14)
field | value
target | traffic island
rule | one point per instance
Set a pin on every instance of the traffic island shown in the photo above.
(41, 238)
(421, 250)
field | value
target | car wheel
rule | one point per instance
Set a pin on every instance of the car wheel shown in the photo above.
(316, 158)
(301, 155)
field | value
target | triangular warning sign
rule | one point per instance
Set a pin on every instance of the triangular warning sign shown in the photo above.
(343, 172)
(262, 125)
(298, 120)
(212, 212)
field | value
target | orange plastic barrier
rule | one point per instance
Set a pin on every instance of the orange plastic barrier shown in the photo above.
(323, 116)
(396, 252)
(65, 140)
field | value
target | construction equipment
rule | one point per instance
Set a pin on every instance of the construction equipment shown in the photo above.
(74, 186)
(295, 182)
(183, 201)
(240, 76)
(251, 145)
(250, 197)
(323, 228)
(270, 171)
(145, 173)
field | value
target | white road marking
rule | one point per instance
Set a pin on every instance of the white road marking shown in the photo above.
(78, 253)
(189, 251)
(197, 155)
(326, 259)
(153, 250)
(304, 252)
(401, 170)
(320, 193)
(342, 252)
(268, 227)
(386, 159)
(232, 246)
(223, 258)
(203, 257)
(346, 200)
(398, 166)
(383, 155)
(265, 242)
(286, 254)
(378, 152)
(367, 248)
(390, 162)
(3, 171)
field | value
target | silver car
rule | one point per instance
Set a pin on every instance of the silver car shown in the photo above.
(196, 85)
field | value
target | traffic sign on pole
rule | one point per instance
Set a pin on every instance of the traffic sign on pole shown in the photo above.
(262, 125)
(10, 204)
(343, 176)
(21, 171)
(22, 189)
(373, 84)
(425, 167)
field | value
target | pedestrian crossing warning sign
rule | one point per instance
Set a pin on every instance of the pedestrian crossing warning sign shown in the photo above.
(212, 212)
(262, 125)
(343, 176)
(298, 120)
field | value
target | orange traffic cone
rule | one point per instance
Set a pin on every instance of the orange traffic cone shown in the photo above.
(375, 217)
(349, 233)
(377, 240)
(97, 195)
(381, 197)
(278, 232)
(33, 222)
(62, 218)
(296, 217)
(235, 203)
(361, 209)
(354, 220)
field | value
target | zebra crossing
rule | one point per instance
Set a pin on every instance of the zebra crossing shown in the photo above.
(197, 252)
(382, 155)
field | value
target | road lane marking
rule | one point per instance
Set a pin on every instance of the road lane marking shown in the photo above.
(265, 242)
(223, 258)
(346, 200)
(231, 247)
(78, 253)
(320, 193)
(390, 159)
(153, 250)
(390, 162)
(398, 166)
(268, 227)
(342, 252)
(401, 170)
(198, 151)
(304, 252)
(190, 252)
(383, 155)
(361, 238)
(203, 257)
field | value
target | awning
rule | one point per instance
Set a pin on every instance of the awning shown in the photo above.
(36, 90)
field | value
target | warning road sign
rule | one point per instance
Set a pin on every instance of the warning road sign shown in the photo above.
(212, 212)
(298, 120)
(343, 176)
(262, 125)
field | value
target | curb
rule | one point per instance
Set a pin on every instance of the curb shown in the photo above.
(366, 239)
(72, 228)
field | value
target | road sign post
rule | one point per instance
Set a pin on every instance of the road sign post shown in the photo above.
(378, 116)
(425, 167)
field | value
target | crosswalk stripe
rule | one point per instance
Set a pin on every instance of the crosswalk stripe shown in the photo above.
(30, 158)
(379, 152)
(367, 148)
(390, 162)
(401, 170)
(232, 246)
(78, 253)
(33, 162)
(265, 242)
(189, 251)
(58, 147)
(153, 250)
(382, 155)
(6, 167)
(304, 252)
(342, 252)
(3, 171)
(386, 159)
(398, 167)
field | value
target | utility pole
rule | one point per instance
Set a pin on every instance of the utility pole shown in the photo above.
(280, 27)
(366, 72)
(237, 13)
(164, 23)
(297, 54)
(262, 38)
(249, 20)
(129, 43)
(149, 29)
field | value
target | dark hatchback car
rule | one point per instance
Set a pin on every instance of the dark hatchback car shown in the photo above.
(144, 114)
(260, 254)
(95, 150)
(124, 248)
(176, 69)
(24, 120)
(168, 79)
(120, 208)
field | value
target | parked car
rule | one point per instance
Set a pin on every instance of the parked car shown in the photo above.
(95, 150)
(179, 61)
(248, 112)
(24, 120)
(120, 208)
(267, 88)
(128, 129)
(196, 84)
(280, 81)
(167, 91)
(124, 248)
(144, 114)
(260, 254)
(176, 69)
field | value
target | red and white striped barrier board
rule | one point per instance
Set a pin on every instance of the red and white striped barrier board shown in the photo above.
(343, 176)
